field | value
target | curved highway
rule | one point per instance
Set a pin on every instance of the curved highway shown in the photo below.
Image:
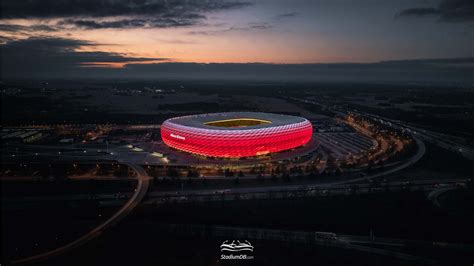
(434, 195)
(141, 190)
(139, 194)
(419, 154)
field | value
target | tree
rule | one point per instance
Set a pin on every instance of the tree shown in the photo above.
(172, 172)
(190, 173)
(278, 170)
(228, 173)
(220, 172)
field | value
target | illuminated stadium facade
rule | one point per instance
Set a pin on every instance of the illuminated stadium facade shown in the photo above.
(236, 134)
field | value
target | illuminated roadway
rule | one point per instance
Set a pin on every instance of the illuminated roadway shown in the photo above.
(434, 195)
(141, 190)
(153, 196)
(313, 190)
(139, 194)
(419, 154)
(322, 238)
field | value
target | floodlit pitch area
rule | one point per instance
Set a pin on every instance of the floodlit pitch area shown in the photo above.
(236, 134)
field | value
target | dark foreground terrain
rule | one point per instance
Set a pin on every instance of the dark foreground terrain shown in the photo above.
(144, 238)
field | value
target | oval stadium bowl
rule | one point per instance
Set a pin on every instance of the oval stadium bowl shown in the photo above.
(236, 134)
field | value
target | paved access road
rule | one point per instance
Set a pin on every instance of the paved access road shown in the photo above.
(139, 194)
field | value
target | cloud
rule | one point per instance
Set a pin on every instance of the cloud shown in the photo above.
(422, 71)
(4, 39)
(260, 26)
(418, 12)
(99, 14)
(438, 71)
(56, 56)
(203, 32)
(18, 28)
(108, 8)
(286, 15)
(247, 27)
(176, 41)
(446, 11)
(132, 23)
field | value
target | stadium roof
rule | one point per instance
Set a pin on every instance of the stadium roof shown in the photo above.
(236, 120)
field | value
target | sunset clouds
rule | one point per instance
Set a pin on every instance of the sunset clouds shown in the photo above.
(114, 33)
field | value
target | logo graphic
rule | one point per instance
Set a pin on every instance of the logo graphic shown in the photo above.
(238, 250)
(236, 246)
(177, 136)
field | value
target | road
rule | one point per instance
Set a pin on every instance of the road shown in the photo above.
(434, 195)
(137, 197)
(308, 237)
(307, 190)
(415, 158)
(420, 152)
(143, 184)
(275, 192)
(449, 142)
(445, 141)
(397, 242)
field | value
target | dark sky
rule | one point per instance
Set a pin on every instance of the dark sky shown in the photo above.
(403, 40)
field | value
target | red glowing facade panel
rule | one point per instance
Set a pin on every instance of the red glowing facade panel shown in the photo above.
(235, 143)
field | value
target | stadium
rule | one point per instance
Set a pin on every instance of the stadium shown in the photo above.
(236, 134)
